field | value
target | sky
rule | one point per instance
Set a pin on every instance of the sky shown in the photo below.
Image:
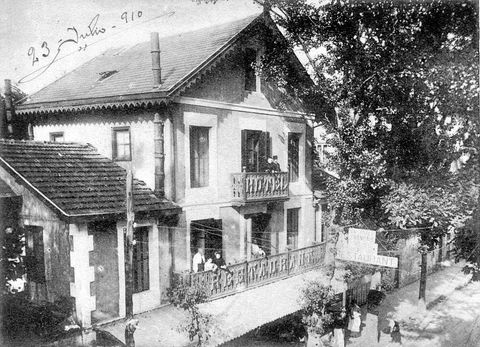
(39, 29)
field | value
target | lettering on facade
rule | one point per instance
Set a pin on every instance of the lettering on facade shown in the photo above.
(273, 184)
(361, 247)
(257, 271)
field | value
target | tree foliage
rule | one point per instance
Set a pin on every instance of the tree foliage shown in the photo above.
(188, 298)
(315, 298)
(402, 77)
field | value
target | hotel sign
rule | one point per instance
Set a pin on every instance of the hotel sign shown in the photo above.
(361, 247)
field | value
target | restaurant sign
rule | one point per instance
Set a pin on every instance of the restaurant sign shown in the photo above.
(361, 247)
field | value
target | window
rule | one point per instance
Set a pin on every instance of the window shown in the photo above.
(293, 156)
(57, 137)
(323, 229)
(199, 159)
(35, 260)
(121, 144)
(255, 150)
(140, 260)
(292, 228)
(250, 75)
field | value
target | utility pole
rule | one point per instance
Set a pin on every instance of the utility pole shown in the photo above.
(131, 323)
(423, 250)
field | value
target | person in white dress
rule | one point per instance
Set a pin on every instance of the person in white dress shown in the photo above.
(198, 261)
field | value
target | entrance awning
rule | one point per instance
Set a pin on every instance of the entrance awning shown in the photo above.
(232, 316)
(236, 315)
(5, 190)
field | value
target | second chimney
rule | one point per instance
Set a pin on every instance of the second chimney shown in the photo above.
(155, 51)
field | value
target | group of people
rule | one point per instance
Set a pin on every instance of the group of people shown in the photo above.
(199, 263)
(350, 319)
(272, 165)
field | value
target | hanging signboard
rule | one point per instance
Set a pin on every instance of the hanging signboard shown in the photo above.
(361, 248)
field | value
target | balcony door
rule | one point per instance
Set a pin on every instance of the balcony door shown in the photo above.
(206, 234)
(261, 232)
(255, 150)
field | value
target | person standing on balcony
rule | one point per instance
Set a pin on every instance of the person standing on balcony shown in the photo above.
(220, 263)
(269, 166)
(276, 164)
(198, 261)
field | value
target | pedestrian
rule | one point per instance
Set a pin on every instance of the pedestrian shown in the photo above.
(198, 262)
(354, 320)
(395, 334)
(339, 329)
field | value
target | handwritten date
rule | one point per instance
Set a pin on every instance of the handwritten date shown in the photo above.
(77, 37)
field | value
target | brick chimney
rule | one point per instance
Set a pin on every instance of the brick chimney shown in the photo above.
(155, 51)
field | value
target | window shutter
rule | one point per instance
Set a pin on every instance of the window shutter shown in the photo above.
(264, 150)
(244, 150)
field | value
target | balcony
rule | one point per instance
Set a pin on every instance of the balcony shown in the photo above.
(259, 186)
(257, 272)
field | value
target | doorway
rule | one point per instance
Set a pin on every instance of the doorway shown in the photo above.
(206, 234)
(104, 258)
(261, 232)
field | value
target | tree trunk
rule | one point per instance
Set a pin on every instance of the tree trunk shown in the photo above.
(476, 229)
(423, 277)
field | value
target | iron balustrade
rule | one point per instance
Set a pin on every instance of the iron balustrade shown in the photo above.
(258, 186)
(257, 272)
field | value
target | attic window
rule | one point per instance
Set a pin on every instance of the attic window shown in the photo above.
(106, 74)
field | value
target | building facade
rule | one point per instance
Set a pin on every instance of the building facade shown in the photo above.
(199, 128)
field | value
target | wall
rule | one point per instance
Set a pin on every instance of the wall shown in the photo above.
(96, 130)
(410, 260)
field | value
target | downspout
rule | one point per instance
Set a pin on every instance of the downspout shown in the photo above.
(158, 127)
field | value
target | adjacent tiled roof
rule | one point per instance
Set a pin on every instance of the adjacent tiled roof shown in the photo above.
(5, 191)
(182, 56)
(75, 179)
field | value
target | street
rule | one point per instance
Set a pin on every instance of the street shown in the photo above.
(452, 321)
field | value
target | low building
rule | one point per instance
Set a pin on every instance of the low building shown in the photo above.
(70, 201)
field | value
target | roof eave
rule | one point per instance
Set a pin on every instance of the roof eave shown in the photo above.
(109, 102)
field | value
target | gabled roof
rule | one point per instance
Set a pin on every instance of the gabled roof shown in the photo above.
(129, 70)
(74, 179)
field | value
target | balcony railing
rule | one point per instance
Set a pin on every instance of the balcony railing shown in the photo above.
(257, 272)
(259, 186)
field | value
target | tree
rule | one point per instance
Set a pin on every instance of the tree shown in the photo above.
(188, 298)
(396, 83)
(404, 79)
(315, 299)
(432, 208)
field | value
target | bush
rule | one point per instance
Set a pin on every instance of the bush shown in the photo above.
(42, 319)
(315, 298)
(188, 298)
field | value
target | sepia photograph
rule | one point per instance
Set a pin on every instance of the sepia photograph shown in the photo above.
(239, 173)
